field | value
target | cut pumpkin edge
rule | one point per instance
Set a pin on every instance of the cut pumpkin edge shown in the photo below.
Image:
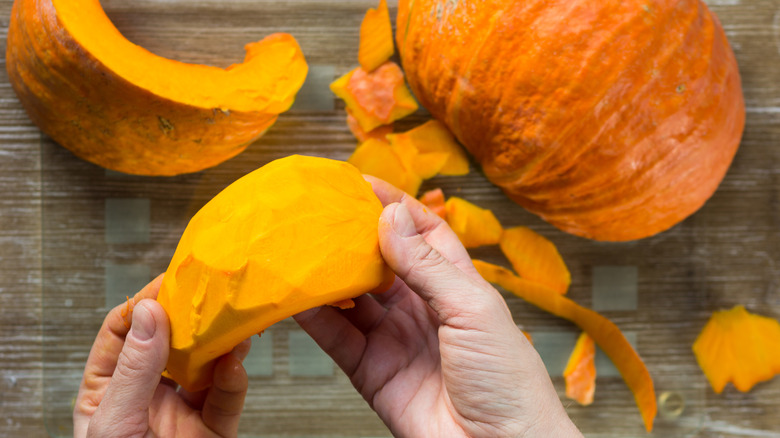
(250, 86)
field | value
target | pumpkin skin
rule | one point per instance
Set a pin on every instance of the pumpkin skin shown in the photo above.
(119, 106)
(612, 120)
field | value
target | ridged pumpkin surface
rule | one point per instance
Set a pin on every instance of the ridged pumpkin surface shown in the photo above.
(611, 119)
(117, 105)
(298, 233)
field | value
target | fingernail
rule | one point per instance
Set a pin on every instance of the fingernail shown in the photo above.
(144, 326)
(403, 223)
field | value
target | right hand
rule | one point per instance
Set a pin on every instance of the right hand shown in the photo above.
(438, 354)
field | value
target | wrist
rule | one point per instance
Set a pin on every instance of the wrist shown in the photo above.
(553, 423)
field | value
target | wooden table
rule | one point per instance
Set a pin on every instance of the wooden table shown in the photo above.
(75, 238)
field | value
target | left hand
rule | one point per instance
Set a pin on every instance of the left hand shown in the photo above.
(122, 393)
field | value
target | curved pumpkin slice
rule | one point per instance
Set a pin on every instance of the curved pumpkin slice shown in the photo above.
(603, 331)
(298, 233)
(117, 105)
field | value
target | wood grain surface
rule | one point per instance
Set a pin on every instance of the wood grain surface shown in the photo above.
(56, 248)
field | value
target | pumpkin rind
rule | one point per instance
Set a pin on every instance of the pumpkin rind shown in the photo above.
(612, 120)
(136, 112)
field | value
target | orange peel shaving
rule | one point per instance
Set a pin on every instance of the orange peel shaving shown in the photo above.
(603, 331)
(739, 347)
(535, 258)
(580, 371)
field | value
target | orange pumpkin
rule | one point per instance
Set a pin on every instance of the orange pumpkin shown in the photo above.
(300, 232)
(611, 119)
(117, 105)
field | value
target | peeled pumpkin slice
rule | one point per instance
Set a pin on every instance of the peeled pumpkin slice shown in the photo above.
(375, 98)
(580, 371)
(117, 105)
(474, 226)
(739, 347)
(535, 258)
(376, 38)
(298, 233)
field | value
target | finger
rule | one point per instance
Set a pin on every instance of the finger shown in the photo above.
(366, 314)
(427, 223)
(457, 298)
(196, 399)
(111, 337)
(125, 405)
(335, 334)
(103, 356)
(225, 400)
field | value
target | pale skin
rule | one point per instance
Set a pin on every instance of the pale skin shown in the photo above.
(437, 355)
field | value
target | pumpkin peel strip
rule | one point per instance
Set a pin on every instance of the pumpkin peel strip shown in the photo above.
(604, 332)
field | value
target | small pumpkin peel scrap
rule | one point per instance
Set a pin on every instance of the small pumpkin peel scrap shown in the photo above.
(475, 226)
(739, 347)
(580, 371)
(535, 258)
(298, 233)
(375, 98)
(121, 107)
(376, 38)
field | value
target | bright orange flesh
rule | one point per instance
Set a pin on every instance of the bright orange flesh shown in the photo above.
(474, 226)
(376, 38)
(375, 98)
(535, 258)
(739, 347)
(298, 233)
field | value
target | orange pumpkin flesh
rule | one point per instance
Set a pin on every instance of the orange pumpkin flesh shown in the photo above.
(612, 120)
(298, 233)
(376, 38)
(117, 105)
(739, 347)
(375, 98)
(474, 226)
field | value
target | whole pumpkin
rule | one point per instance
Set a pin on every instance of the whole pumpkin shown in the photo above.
(611, 119)
(121, 107)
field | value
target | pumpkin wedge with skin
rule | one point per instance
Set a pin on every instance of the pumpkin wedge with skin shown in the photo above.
(298, 233)
(119, 106)
(611, 119)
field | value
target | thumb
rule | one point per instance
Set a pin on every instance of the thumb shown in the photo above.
(457, 298)
(125, 406)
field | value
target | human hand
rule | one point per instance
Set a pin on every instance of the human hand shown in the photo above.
(438, 354)
(122, 393)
